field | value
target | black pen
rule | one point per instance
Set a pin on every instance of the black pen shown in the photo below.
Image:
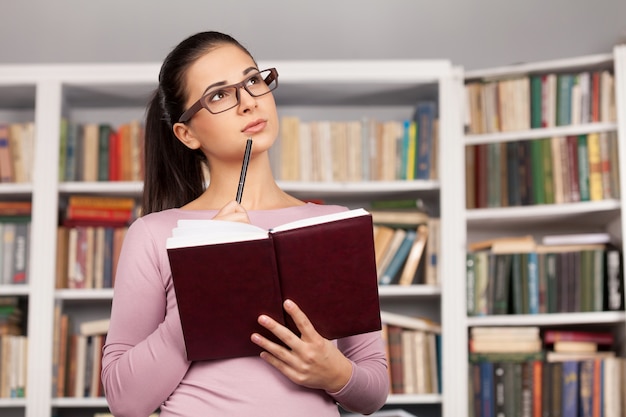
(244, 169)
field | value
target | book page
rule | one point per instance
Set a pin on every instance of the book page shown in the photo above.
(320, 219)
(205, 232)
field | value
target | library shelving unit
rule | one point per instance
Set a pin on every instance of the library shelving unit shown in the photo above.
(495, 219)
(313, 90)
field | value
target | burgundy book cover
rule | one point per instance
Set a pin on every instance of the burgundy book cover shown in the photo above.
(327, 269)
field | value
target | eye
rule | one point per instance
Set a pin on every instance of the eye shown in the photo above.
(218, 95)
(255, 79)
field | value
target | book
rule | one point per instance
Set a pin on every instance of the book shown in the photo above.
(410, 322)
(415, 255)
(614, 280)
(396, 366)
(506, 244)
(570, 388)
(102, 202)
(94, 327)
(576, 239)
(382, 238)
(571, 346)
(399, 217)
(577, 356)
(325, 264)
(394, 244)
(398, 259)
(551, 336)
(6, 159)
(425, 113)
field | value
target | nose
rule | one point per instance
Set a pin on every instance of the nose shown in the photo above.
(246, 100)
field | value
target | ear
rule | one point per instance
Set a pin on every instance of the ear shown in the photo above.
(186, 136)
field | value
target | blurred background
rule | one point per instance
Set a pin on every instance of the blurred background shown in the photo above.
(471, 33)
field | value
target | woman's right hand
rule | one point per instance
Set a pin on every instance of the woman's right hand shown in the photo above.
(233, 212)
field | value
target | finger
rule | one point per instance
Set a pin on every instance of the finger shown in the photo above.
(300, 319)
(277, 352)
(280, 331)
(233, 211)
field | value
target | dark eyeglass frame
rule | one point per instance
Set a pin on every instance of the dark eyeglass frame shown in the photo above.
(272, 77)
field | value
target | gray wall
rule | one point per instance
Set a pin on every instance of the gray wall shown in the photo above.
(471, 33)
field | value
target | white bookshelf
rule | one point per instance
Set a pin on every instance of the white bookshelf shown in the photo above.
(539, 220)
(117, 93)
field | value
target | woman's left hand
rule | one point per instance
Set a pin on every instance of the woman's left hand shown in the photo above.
(312, 362)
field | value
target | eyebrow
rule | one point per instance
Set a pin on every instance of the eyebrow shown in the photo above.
(223, 83)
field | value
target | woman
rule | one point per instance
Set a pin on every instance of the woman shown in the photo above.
(197, 116)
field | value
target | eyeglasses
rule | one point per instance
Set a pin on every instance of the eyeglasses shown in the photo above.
(225, 98)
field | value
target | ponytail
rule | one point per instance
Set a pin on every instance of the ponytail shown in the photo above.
(173, 172)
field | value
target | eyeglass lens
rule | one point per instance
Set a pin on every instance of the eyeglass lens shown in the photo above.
(225, 98)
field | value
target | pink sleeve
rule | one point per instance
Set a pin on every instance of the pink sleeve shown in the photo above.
(144, 355)
(367, 389)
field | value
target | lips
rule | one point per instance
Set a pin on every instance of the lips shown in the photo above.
(255, 127)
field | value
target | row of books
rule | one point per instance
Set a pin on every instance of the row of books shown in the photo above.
(560, 372)
(366, 150)
(90, 238)
(87, 256)
(101, 152)
(555, 170)
(529, 342)
(13, 351)
(536, 388)
(544, 279)
(540, 100)
(17, 152)
(413, 348)
(77, 356)
(406, 255)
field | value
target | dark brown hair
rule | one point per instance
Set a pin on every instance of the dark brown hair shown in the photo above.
(173, 172)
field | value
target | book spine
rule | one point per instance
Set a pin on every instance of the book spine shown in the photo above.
(533, 283)
(425, 114)
(87, 213)
(570, 389)
(595, 169)
(20, 254)
(120, 203)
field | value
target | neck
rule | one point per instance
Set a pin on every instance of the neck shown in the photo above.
(260, 190)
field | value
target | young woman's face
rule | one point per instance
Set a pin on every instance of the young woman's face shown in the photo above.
(223, 136)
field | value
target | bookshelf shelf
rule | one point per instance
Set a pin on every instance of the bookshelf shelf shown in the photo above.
(587, 212)
(84, 294)
(10, 290)
(391, 291)
(131, 188)
(79, 402)
(541, 133)
(365, 190)
(561, 65)
(16, 190)
(12, 403)
(415, 399)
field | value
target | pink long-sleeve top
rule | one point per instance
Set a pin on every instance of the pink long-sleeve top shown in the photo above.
(144, 365)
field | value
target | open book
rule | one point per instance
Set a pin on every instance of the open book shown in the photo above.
(227, 273)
